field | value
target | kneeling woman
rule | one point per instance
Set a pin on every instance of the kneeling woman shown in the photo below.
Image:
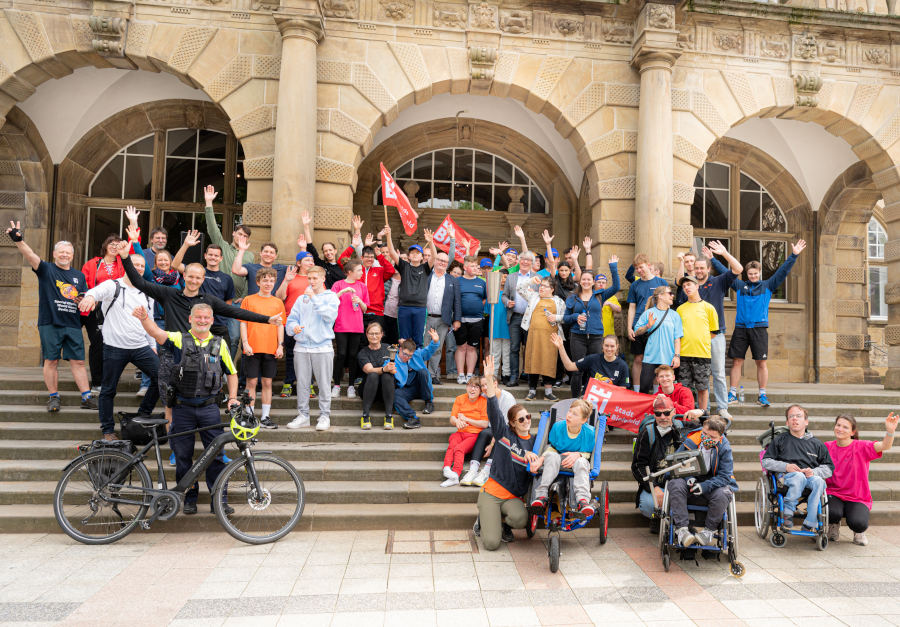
(848, 488)
(500, 503)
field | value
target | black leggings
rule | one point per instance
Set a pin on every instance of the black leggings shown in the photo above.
(481, 443)
(95, 352)
(582, 344)
(346, 347)
(857, 514)
(648, 378)
(533, 380)
(372, 382)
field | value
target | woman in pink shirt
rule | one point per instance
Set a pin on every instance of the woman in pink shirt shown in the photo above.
(848, 488)
(348, 327)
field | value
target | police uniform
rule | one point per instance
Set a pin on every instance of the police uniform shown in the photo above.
(196, 379)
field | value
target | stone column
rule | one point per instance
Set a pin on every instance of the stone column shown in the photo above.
(294, 179)
(654, 52)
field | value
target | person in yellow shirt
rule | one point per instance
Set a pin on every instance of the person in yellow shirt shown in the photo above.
(469, 416)
(700, 322)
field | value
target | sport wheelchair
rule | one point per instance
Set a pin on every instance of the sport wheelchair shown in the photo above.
(562, 513)
(769, 503)
(686, 464)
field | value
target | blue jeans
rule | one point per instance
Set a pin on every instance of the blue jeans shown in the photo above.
(185, 418)
(411, 323)
(796, 483)
(516, 335)
(114, 362)
(145, 380)
(647, 505)
(416, 387)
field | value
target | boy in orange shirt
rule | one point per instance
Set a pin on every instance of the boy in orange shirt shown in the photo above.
(262, 343)
(469, 416)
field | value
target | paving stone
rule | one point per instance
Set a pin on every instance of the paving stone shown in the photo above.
(36, 612)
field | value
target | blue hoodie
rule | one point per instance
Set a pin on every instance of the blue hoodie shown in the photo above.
(315, 315)
(721, 462)
(417, 362)
(753, 298)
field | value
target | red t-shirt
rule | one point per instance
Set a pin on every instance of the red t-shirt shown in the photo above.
(850, 481)
(681, 397)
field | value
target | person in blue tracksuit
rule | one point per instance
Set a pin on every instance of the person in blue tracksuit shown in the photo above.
(751, 324)
(413, 379)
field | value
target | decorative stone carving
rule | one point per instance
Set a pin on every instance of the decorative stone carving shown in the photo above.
(877, 56)
(515, 197)
(617, 31)
(807, 86)
(774, 48)
(265, 5)
(412, 188)
(397, 10)
(515, 22)
(686, 39)
(568, 27)
(805, 46)
(832, 51)
(483, 15)
(661, 16)
(345, 9)
(449, 15)
(193, 117)
(482, 60)
(728, 41)
(108, 35)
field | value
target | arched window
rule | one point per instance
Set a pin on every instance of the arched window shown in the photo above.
(732, 207)
(877, 238)
(463, 178)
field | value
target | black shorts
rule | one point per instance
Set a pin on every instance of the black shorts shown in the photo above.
(468, 333)
(639, 344)
(756, 338)
(259, 365)
(694, 372)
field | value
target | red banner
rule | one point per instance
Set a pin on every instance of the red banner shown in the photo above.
(442, 238)
(624, 408)
(393, 196)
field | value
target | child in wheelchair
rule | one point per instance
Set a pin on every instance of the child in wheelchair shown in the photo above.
(571, 443)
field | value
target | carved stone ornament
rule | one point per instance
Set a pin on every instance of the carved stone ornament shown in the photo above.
(568, 27)
(728, 41)
(661, 16)
(877, 56)
(686, 39)
(617, 31)
(807, 87)
(481, 62)
(449, 15)
(265, 5)
(398, 10)
(483, 15)
(805, 46)
(193, 117)
(774, 48)
(831, 51)
(344, 9)
(515, 21)
(108, 35)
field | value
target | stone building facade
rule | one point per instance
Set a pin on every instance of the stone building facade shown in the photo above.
(645, 124)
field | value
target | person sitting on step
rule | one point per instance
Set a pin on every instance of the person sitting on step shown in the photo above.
(413, 379)
(469, 416)
(378, 374)
(477, 474)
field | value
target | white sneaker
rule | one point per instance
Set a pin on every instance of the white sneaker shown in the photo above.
(834, 532)
(469, 477)
(705, 537)
(298, 422)
(451, 481)
(860, 539)
(685, 537)
(448, 472)
(724, 413)
(468, 378)
(484, 473)
(142, 391)
(323, 423)
(461, 379)
(335, 391)
(351, 392)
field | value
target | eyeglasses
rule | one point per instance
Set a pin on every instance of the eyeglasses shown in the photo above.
(662, 413)
(524, 418)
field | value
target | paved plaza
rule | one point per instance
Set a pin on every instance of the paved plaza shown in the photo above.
(419, 578)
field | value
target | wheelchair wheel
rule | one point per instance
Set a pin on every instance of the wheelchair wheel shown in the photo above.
(777, 540)
(663, 535)
(531, 525)
(822, 541)
(553, 551)
(666, 559)
(604, 511)
(737, 569)
(732, 525)
(761, 513)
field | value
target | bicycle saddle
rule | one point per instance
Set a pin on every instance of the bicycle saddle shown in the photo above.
(148, 421)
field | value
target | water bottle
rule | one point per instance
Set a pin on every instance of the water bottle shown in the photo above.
(741, 395)
(583, 325)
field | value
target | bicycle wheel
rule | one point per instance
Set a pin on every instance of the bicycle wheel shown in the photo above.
(259, 518)
(80, 505)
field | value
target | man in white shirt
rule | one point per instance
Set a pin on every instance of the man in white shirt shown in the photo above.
(443, 309)
(124, 342)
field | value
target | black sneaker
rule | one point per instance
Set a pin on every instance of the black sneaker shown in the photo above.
(266, 423)
(512, 383)
(506, 533)
(531, 395)
(53, 404)
(538, 506)
(476, 528)
(227, 509)
(436, 381)
(189, 509)
(412, 423)
(89, 403)
(429, 408)
(551, 396)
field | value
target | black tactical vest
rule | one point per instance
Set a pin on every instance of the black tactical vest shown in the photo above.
(199, 373)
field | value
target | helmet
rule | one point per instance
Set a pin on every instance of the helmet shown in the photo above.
(244, 424)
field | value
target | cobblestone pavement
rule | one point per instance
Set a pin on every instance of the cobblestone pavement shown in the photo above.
(370, 578)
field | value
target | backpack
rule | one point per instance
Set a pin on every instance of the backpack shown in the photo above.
(119, 290)
(650, 421)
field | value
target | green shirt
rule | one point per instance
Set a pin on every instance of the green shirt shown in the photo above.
(228, 253)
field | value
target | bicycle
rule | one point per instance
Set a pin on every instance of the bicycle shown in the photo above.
(106, 492)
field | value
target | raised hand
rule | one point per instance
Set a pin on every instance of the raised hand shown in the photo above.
(290, 273)
(122, 247)
(613, 259)
(380, 233)
(706, 252)
(356, 222)
(451, 231)
(356, 239)
(192, 238)
(574, 252)
(304, 217)
(433, 335)
(890, 423)
(717, 247)
(243, 243)
(586, 244)
(369, 239)
(301, 242)
(503, 246)
(134, 233)
(132, 214)
(14, 231)
(547, 237)
(386, 231)
(468, 246)
(518, 231)
(799, 246)
(489, 367)
(209, 195)
(428, 234)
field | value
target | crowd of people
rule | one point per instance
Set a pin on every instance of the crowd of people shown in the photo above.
(386, 318)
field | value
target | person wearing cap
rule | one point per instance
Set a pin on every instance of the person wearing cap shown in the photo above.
(611, 306)
(415, 278)
(699, 321)
(296, 280)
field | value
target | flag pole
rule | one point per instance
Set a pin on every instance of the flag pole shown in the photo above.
(385, 214)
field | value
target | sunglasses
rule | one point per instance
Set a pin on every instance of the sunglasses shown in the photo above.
(662, 413)
(526, 417)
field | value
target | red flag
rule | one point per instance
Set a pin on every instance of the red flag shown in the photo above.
(442, 238)
(624, 408)
(393, 196)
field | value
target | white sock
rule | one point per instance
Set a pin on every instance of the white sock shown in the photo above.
(637, 388)
(266, 409)
(474, 466)
(489, 462)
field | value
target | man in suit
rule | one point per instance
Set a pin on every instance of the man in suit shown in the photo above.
(444, 309)
(515, 309)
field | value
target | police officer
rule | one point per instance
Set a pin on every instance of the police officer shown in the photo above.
(195, 382)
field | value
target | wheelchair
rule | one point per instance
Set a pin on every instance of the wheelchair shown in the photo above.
(769, 504)
(561, 513)
(686, 464)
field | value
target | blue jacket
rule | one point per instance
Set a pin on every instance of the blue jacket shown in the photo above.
(753, 298)
(315, 315)
(417, 362)
(575, 306)
(451, 307)
(721, 472)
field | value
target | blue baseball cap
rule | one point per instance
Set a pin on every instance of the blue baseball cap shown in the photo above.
(555, 252)
(511, 250)
(597, 277)
(416, 247)
(486, 263)
(301, 255)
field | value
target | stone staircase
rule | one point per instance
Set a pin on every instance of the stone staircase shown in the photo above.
(390, 479)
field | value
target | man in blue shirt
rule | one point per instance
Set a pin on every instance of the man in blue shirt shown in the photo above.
(267, 254)
(638, 294)
(752, 321)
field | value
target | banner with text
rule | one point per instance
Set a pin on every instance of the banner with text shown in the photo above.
(442, 239)
(624, 408)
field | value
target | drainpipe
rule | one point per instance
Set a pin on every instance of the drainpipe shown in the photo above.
(815, 296)
(51, 223)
